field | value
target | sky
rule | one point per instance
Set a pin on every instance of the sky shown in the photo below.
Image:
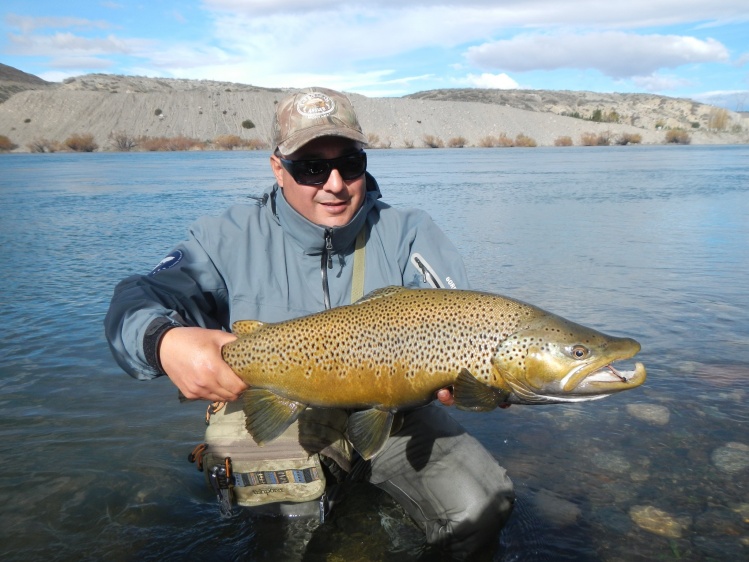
(696, 49)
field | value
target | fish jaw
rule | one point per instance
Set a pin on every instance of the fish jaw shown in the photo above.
(558, 361)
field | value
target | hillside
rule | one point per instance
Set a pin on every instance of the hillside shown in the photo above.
(13, 81)
(101, 105)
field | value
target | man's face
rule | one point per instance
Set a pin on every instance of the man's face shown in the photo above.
(336, 201)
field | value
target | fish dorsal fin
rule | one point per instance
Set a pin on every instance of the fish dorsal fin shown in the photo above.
(380, 293)
(267, 415)
(368, 430)
(244, 327)
(471, 394)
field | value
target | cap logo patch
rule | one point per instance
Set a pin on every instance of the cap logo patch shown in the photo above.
(315, 104)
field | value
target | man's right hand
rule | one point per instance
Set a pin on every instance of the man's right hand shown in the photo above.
(192, 359)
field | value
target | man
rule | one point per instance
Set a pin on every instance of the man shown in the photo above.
(295, 253)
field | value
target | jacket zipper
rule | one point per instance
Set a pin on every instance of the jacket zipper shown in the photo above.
(426, 270)
(326, 263)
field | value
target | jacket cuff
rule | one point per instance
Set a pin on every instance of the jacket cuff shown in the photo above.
(152, 339)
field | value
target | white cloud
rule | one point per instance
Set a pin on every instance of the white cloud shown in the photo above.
(27, 24)
(660, 83)
(497, 81)
(613, 53)
(69, 44)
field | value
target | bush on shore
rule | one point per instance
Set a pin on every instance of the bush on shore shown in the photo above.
(678, 136)
(6, 144)
(592, 139)
(81, 142)
(628, 138)
(430, 141)
(563, 141)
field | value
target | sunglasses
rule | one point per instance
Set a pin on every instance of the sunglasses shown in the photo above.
(317, 172)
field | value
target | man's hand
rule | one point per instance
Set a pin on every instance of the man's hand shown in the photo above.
(445, 395)
(191, 357)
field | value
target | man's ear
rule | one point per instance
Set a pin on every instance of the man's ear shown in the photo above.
(275, 165)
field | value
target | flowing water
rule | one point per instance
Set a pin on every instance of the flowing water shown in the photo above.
(646, 242)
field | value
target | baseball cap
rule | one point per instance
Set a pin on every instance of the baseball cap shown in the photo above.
(313, 113)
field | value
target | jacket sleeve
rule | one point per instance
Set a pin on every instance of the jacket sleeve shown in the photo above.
(185, 289)
(433, 260)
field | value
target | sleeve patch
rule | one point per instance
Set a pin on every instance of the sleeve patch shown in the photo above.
(168, 262)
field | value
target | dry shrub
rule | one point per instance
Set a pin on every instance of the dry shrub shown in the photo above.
(373, 139)
(488, 142)
(6, 144)
(718, 120)
(504, 141)
(563, 141)
(678, 136)
(152, 144)
(457, 142)
(81, 142)
(160, 144)
(525, 141)
(227, 142)
(604, 138)
(255, 144)
(45, 145)
(592, 139)
(120, 140)
(408, 143)
(628, 138)
(430, 141)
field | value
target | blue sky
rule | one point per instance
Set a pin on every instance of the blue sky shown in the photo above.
(681, 48)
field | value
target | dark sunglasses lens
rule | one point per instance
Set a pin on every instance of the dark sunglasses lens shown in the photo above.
(351, 167)
(310, 172)
(317, 172)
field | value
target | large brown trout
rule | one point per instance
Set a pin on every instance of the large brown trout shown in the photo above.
(396, 347)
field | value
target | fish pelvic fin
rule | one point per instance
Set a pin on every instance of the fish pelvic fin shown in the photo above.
(473, 395)
(368, 430)
(244, 327)
(267, 415)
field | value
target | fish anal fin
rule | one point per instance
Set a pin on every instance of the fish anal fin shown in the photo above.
(267, 415)
(244, 327)
(368, 430)
(471, 394)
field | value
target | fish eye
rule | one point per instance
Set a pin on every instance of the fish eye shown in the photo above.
(580, 352)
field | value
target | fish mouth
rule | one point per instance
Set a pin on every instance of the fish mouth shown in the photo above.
(609, 374)
(599, 382)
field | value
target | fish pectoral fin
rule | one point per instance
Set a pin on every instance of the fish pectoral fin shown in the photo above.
(267, 415)
(471, 394)
(244, 327)
(368, 430)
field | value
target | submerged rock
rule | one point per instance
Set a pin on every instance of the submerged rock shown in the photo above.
(650, 413)
(556, 510)
(731, 458)
(659, 522)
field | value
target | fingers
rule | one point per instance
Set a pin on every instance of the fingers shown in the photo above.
(192, 359)
(445, 395)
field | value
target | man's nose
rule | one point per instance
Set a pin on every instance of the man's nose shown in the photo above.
(335, 182)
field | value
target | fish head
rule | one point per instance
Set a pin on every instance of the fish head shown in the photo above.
(552, 360)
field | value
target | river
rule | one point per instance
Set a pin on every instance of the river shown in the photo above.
(645, 242)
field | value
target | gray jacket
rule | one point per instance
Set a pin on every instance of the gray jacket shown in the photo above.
(266, 262)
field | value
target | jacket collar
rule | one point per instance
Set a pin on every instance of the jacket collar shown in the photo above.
(310, 237)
